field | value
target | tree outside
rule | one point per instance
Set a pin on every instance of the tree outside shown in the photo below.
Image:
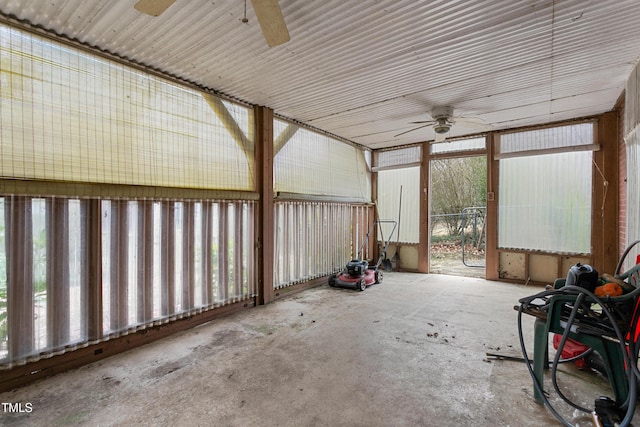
(457, 185)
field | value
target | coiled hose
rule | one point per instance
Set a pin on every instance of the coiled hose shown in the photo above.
(630, 352)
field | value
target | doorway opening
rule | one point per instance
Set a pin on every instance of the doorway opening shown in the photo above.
(457, 217)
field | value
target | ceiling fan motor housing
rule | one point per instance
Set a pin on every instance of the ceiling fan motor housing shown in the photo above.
(442, 116)
(442, 127)
(444, 112)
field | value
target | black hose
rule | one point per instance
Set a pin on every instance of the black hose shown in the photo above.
(624, 256)
(536, 384)
(563, 340)
(631, 369)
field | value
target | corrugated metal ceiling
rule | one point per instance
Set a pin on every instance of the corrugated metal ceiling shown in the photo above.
(364, 69)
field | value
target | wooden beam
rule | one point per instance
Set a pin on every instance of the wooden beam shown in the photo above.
(245, 142)
(45, 367)
(264, 219)
(283, 138)
(374, 213)
(604, 224)
(287, 291)
(492, 256)
(424, 235)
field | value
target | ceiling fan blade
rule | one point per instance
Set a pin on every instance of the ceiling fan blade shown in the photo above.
(411, 130)
(271, 21)
(153, 7)
(431, 122)
(472, 123)
(440, 137)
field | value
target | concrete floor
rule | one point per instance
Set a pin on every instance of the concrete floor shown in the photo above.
(408, 352)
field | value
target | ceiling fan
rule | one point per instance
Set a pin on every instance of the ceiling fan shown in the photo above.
(267, 12)
(443, 120)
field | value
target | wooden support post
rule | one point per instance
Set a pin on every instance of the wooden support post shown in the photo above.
(492, 256)
(373, 216)
(604, 223)
(424, 235)
(265, 218)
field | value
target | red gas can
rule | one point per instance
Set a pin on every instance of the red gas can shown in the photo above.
(571, 349)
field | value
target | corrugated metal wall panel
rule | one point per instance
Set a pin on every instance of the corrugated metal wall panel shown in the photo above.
(363, 70)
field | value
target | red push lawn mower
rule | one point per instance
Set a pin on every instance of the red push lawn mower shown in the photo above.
(358, 274)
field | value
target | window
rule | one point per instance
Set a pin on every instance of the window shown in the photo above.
(70, 116)
(42, 275)
(153, 213)
(309, 163)
(632, 142)
(314, 239)
(390, 183)
(399, 170)
(160, 260)
(545, 185)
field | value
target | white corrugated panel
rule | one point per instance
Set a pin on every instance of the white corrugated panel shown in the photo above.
(363, 70)
(390, 184)
(459, 145)
(632, 102)
(544, 201)
(402, 157)
(633, 195)
(632, 144)
(560, 137)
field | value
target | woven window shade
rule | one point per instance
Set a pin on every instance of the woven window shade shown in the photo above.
(70, 116)
(314, 164)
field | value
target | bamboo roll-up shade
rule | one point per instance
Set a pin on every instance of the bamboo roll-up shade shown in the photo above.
(69, 116)
(314, 164)
(114, 191)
